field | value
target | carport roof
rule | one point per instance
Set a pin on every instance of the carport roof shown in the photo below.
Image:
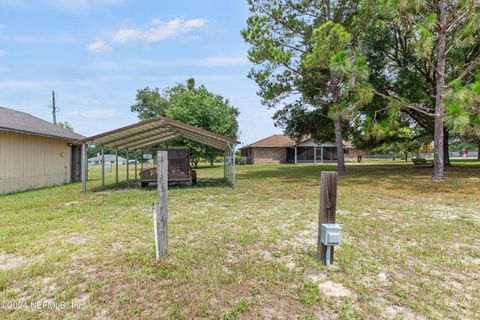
(157, 130)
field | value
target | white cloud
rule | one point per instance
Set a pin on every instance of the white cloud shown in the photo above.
(158, 30)
(96, 114)
(99, 47)
(214, 61)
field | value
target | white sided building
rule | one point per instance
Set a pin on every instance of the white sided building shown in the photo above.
(35, 153)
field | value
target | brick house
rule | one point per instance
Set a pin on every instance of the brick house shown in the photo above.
(280, 148)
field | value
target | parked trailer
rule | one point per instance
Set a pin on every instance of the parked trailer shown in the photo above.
(179, 169)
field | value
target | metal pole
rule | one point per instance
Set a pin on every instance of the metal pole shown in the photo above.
(321, 153)
(225, 164)
(103, 170)
(116, 165)
(315, 154)
(127, 169)
(135, 165)
(230, 166)
(84, 167)
(54, 108)
(233, 166)
(295, 154)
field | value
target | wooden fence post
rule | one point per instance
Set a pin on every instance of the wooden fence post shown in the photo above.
(155, 230)
(162, 191)
(328, 206)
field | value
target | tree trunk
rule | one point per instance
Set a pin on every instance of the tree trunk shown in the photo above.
(406, 156)
(446, 148)
(438, 167)
(339, 143)
(335, 91)
(478, 151)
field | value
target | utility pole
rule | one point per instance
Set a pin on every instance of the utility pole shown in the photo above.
(54, 109)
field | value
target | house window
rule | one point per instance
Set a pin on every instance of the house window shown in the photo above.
(305, 154)
(329, 153)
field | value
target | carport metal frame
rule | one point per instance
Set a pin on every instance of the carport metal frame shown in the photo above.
(154, 131)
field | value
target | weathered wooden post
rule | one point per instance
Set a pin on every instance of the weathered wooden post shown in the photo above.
(161, 236)
(328, 206)
(155, 231)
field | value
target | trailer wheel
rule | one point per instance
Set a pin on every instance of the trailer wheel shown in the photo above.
(144, 184)
(194, 177)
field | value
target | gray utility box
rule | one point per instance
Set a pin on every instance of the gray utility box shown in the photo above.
(331, 234)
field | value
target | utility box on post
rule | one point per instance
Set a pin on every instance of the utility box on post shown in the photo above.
(331, 234)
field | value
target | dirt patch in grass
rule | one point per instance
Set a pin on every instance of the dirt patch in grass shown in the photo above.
(336, 290)
(8, 261)
(410, 248)
(397, 312)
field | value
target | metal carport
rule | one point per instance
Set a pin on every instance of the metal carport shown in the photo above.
(154, 131)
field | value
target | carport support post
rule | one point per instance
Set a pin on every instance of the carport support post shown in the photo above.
(127, 169)
(162, 214)
(233, 166)
(103, 170)
(116, 165)
(136, 153)
(225, 155)
(328, 206)
(84, 164)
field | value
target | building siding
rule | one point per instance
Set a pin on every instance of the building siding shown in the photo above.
(269, 155)
(30, 162)
(278, 155)
(352, 155)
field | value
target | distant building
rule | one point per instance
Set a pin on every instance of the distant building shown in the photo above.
(35, 153)
(280, 148)
(109, 159)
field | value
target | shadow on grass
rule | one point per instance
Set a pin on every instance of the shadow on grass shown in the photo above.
(201, 183)
(388, 175)
(206, 167)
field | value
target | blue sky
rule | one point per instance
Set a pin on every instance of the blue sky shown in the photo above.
(95, 54)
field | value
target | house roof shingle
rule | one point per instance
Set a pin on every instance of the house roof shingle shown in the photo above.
(283, 141)
(17, 121)
(274, 141)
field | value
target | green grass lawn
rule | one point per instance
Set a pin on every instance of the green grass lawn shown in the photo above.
(411, 247)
